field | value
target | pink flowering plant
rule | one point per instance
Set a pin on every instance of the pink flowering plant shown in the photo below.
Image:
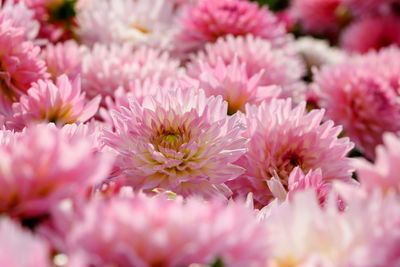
(200, 133)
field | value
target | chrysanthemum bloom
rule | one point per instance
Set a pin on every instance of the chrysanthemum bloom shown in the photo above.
(320, 16)
(56, 17)
(20, 63)
(232, 82)
(209, 19)
(384, 175)
(41, 166)
(142, 231)
(21, 17)
(20, 248)
(64, 58)
(371, 33)
(139, 22)
(106, 68)
(362, 95)
(178, 140)
(60, 103)
(282, 138)
(281, 65)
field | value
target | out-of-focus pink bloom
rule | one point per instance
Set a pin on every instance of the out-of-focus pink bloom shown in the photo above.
(281, 66)
(139, 22)
(41, 166)
(320, 16)
(384, 175)
(20, 16)
(208, 20)
(20, 64)
(282, 138)
(64, 58)
(60, 103)
(233, 83)
(15, 241)
(142, 231)
(365, 8)
(178, 140)
(105, 69)
(362, 95)
(371, 33)
(56, 17)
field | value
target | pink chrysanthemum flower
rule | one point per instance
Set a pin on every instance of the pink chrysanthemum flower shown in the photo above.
(280, 65)
(15, 241)
(233, 83)
(362, 95)
(142, 231)
(178, 140)
(56, 17)
(20, 64)
(320, 16)
(64, 58)
(105, 69)
(139, 22)
(371, 33)
(209, 19)
(384, 175)
(282, 138)
(60, 103)
(21, 17)
(41, 166)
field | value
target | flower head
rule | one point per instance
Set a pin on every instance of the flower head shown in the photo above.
(282, 138)
(143, 231)
(178, 140)
(42, 166)
(362, 95)
(60, 103)
(208, 20)
(279, 66)
(233, 83)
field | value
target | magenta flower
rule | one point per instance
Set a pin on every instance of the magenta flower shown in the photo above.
(15, 240)
(60, 103)
(209, 19)
(361, 94)
(280, 66)
(282, 138)
(178, 140)
(41, 166)
(142, 231)
(20, 64)
(371, 33)
(232, 82)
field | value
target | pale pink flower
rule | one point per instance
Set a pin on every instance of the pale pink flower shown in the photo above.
(21, 17)
(371, 33)
(280, 66)
(64, 58)
(178, 140)
(140, 22)
(232, 82)
(384, 174)
(282, 138)
(20, 64)
(208, 20)
(20, 248)
(319, 16)
(141, 231)
(106, 68)
(362, 95)
(41, 166)
(60, 103)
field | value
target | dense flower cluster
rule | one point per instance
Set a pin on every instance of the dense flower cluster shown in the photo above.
(200, 133)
